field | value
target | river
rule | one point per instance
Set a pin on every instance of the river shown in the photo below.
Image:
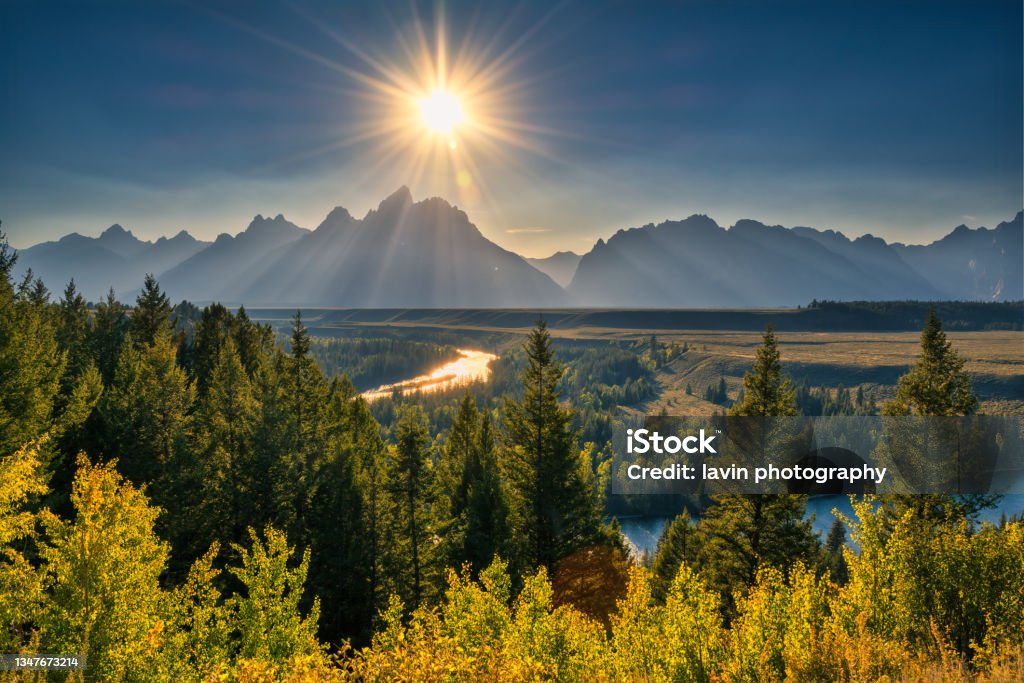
(643, 532)
(471, 366)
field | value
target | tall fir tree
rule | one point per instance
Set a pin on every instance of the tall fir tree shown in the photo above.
(147, 419)
(937, 385)
(151, 317)
(304, 399)
(31, 361)
(766, 391)
(486, 531)
(472, 509)
(742, 533)
(73, 333)
(226, 431)
(678, 544)
(551, 508)
(412, 559)
(336, 532)
(110, 325)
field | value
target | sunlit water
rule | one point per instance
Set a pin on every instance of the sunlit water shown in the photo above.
(642, 533)
(471, 366)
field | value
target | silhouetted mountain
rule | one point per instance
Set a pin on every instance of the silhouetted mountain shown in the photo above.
(407, 254)
(560, 266)
(231, 265)
(402, 254)
(974, 264)
(696, 263)
(115, 259)
(122, 242)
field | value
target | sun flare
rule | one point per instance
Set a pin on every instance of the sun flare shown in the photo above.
(442, 112)
(437, 113)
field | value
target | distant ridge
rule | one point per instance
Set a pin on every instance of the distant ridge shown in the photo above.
(697, 263)
(427, 254)
(115, 259)
(560, 266)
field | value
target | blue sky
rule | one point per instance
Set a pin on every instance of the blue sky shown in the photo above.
(902, 119)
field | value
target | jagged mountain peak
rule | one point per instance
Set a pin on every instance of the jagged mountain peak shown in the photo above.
(270, 227)
(116, 230)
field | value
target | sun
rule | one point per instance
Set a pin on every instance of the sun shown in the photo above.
(437, 113)
(441, 112)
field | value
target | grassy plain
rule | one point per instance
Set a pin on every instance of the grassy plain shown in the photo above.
(873, 360)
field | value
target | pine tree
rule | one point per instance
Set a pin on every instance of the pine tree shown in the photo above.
(486, 514)
(409, 490)
(678, 545)
(452, 479)
(371, 478)
(151, 317)
(73, 332)
(108, 333)
(147, 415)
(31, 362)
(552, 510)
(227, 419)
(212, 332)
(834, 560)
(743, 532)
(937, 384)
(304, 399)
(336, 531)
(472, 508)
(766, 392)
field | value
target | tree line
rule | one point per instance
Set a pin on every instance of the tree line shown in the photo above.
(197, 503)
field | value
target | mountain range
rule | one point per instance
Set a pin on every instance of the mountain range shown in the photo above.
(427, 254)
(560, 266)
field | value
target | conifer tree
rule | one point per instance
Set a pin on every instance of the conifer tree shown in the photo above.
(937, 384)
(31, 362)
(336, 531)
(766, 392)
(147, 415)
(451, 479)
(73, 332)
(304, 399)
(371, 479)
(227, 428)
(212, 331)
(151, 317)
(834, 560)
(472, 508)
(743, 532)
(409, 490)
(486, 513)
(552, 509)
(678, 545)
(108, 332)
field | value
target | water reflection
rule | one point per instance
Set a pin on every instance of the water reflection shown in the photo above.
(471, 366)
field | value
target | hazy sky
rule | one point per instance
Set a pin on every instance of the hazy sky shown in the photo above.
(900, 119)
